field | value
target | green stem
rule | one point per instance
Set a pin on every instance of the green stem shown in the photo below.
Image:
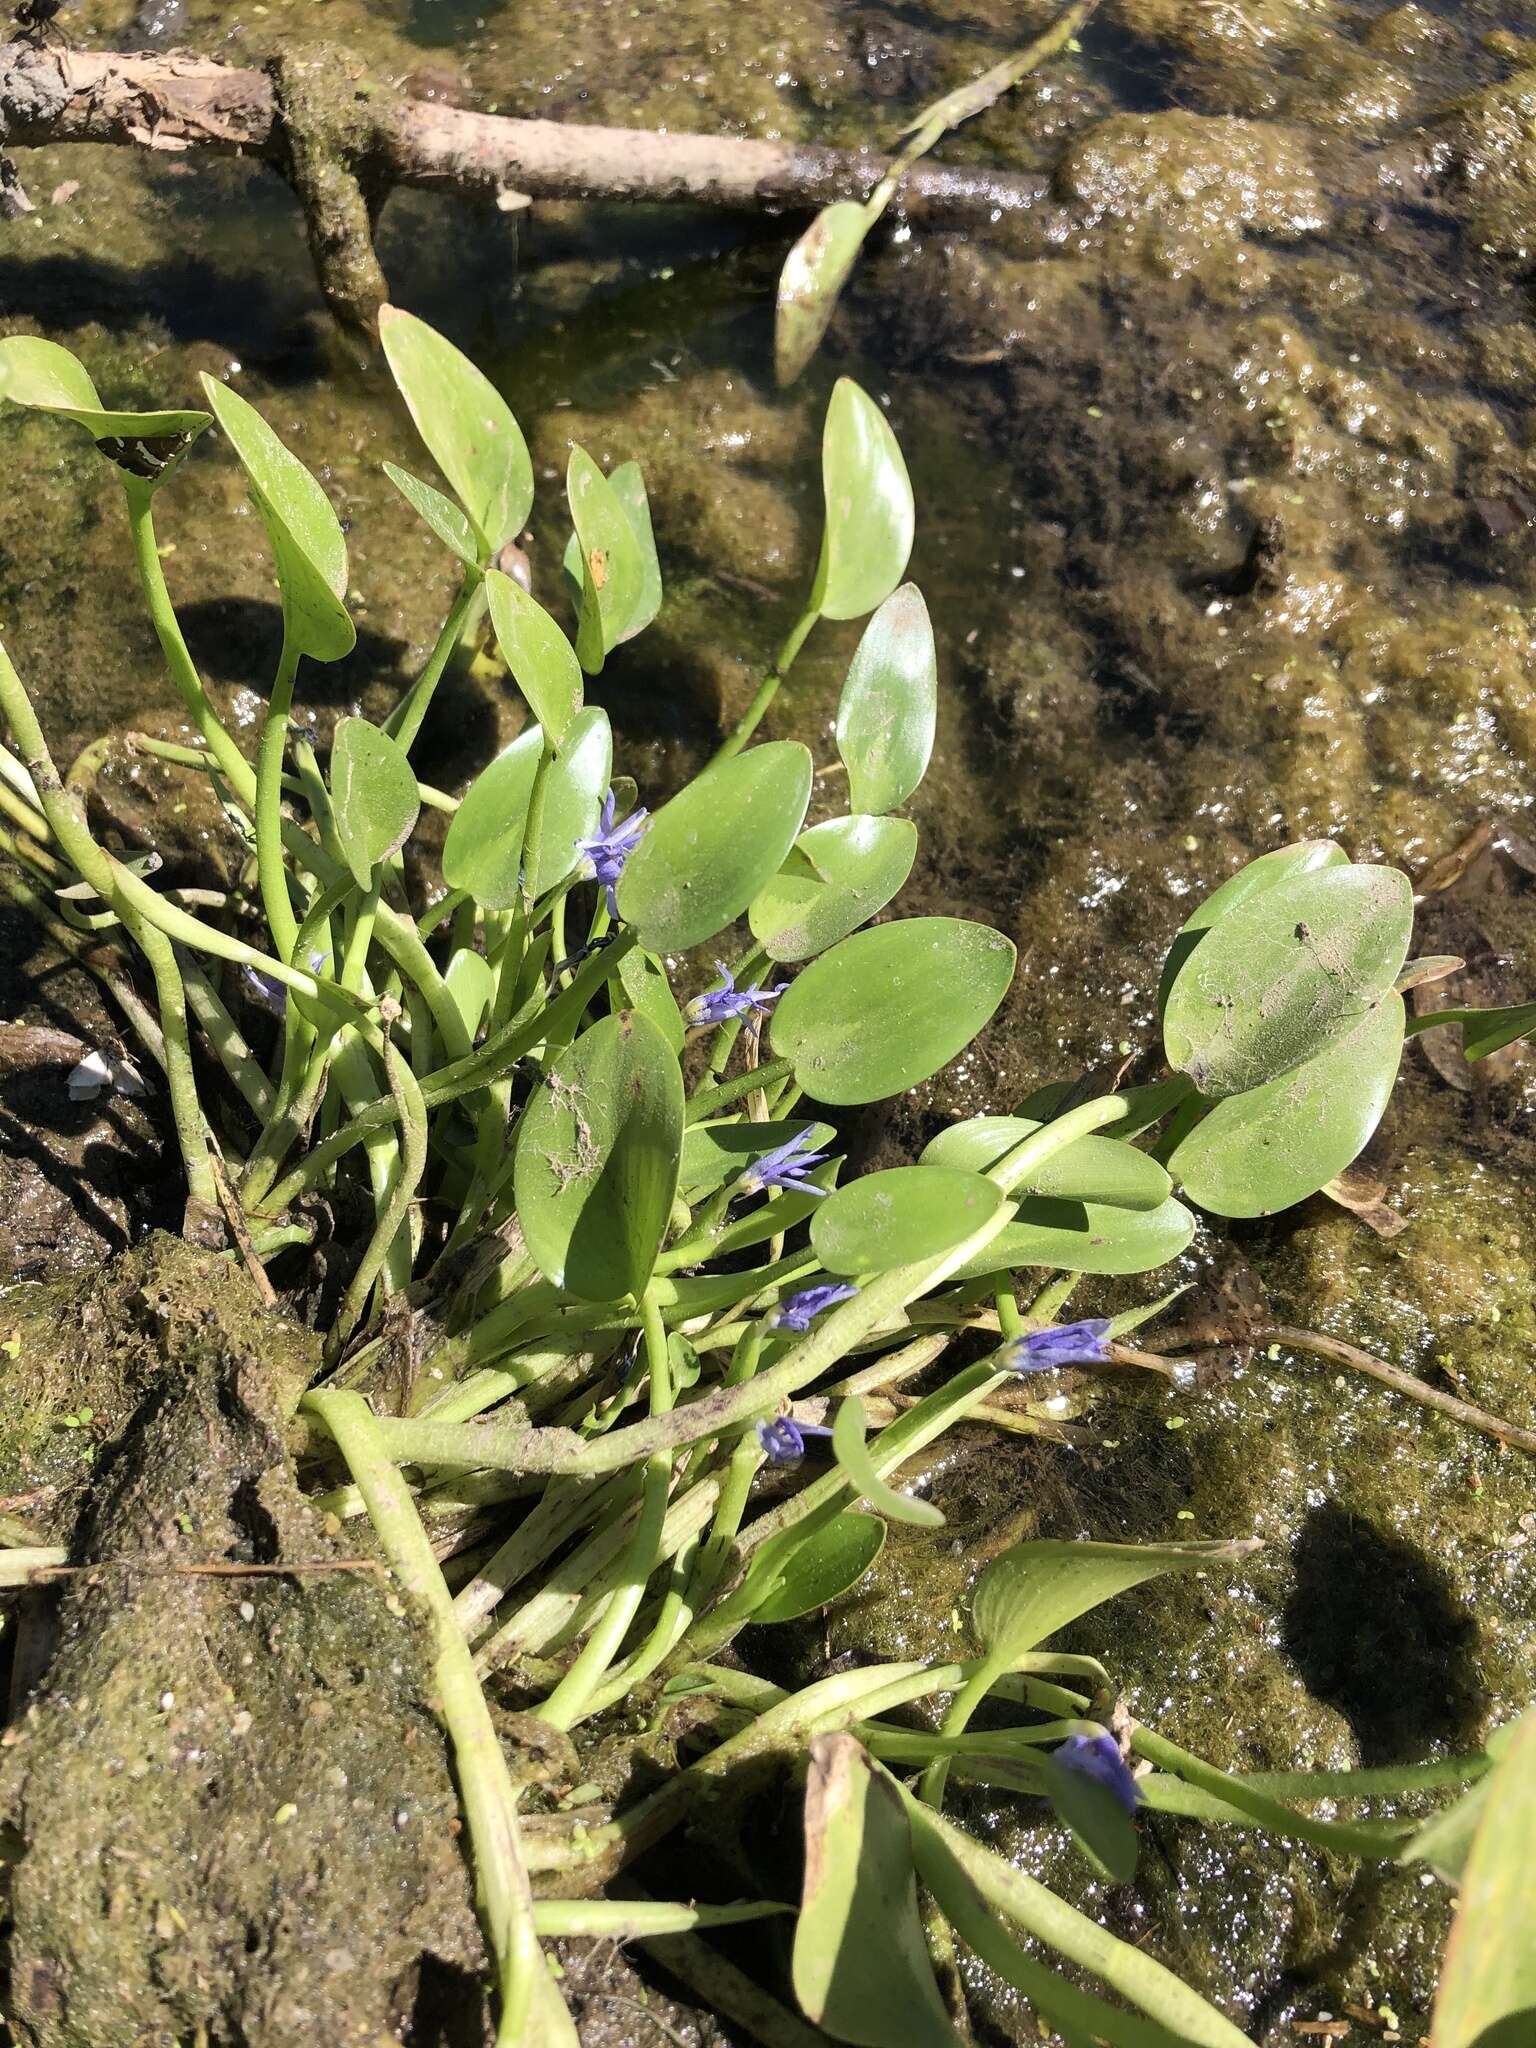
(405, 721)
(413, 1162)
(271, 871)
(767, 689)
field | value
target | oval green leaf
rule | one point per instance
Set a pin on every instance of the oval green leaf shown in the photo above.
(628, 485)
(646, 988)
(597, 1158)
(1033, 1590)
(888, 1007)
(869, 517)
(483, 852)
(1487, 1995)
(1259, 1153)
(706, 854)
(1285, 974)
(441, 514)
(47, 378)
(575, 783)
(1302, 858)
(542, 660)
(818, 1568)
(811, 282)
(1086, 1237)
(303, 530)
(858, 1468)
(1092, 1169)
(373, 795)
(836, 877)
(860, 1965)
(466, 424)
(472, 986)
(899, 1216)
(889, 706)
(610, 564)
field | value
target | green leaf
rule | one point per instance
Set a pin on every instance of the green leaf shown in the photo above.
(446, 520)
(706, 854)
(304, 532)
(1487, 1996)
(889, 706)
(575, 783)
(542, 660)
(814, 1570)
(1100, 1825)
(1092, 1169)
(1303, 858)
(888, 1007)
(647, 989)
(612, 568)
(899, 1216)
(466, 424)
(811, 282)
(869, 517)
(373, 795)
(47, 378)
(1085, 1237)
(1285, 974)
(858, 1468)
(628, 486)
(836, 877)
(1259, 1153)
(1033, 1591)
(483, 852)
(714, 1153)
(597, 1157)
(861, 1967)
(1482, 1031)
(1445, 1842)
(472, 986)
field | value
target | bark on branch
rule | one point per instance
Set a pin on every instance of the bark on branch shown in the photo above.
(180, 102)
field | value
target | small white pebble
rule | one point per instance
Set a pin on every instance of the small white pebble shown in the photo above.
(247, 1611)
(167, 1701)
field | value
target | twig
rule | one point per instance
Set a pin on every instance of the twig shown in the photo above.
(218, 1570)
(234, 1216)
(1404, 1383)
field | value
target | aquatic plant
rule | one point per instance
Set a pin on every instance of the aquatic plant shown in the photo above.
(612, 1268)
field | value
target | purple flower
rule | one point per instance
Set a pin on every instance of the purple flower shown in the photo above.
(786, 1166)
(1066, 1344)
(270, 993)
(607, 852)
(796, 1312)
(1098, 1757)
(719, 1005)
(783, 1439)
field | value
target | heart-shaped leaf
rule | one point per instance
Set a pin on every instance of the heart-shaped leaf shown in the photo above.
(472, 986)
(1091, 1169)
(1487, 1995)
(597, 1158)
(303, 530)
(1085, 1237)
(818, 1568)
(575, 783)
(1259, 1153)
(836, 877)
(869, 517)
(714, 1153)
(861, 1967)
(1303, 858)
(706, 854)
(1285, 974)
(542, 660)
(899, 1216)
(612, 567)
(889, 706)
(466, 424)
(373, 795)
(447, 521)
(47, 378)
(483, 852)
(811, 282)
(858, 1468)
(886, 1008)
(1033, 1590)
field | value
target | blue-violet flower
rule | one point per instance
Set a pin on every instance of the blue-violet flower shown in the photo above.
(606, 853)
(1085, 1343)
(1098, 1757)
(783, 1439)
(719, 1005)
(796, 1311)
(786, 1166)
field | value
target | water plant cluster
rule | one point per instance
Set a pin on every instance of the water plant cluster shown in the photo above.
(611, 1269)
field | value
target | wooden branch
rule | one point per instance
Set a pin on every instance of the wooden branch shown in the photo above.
(180, 102)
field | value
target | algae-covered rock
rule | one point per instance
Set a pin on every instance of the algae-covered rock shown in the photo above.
(234, 1812)
(1198, 176)
(1494, 139)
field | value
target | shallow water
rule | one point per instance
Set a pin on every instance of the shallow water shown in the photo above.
(1226, 472)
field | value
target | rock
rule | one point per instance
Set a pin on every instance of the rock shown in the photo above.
(1210, 178)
